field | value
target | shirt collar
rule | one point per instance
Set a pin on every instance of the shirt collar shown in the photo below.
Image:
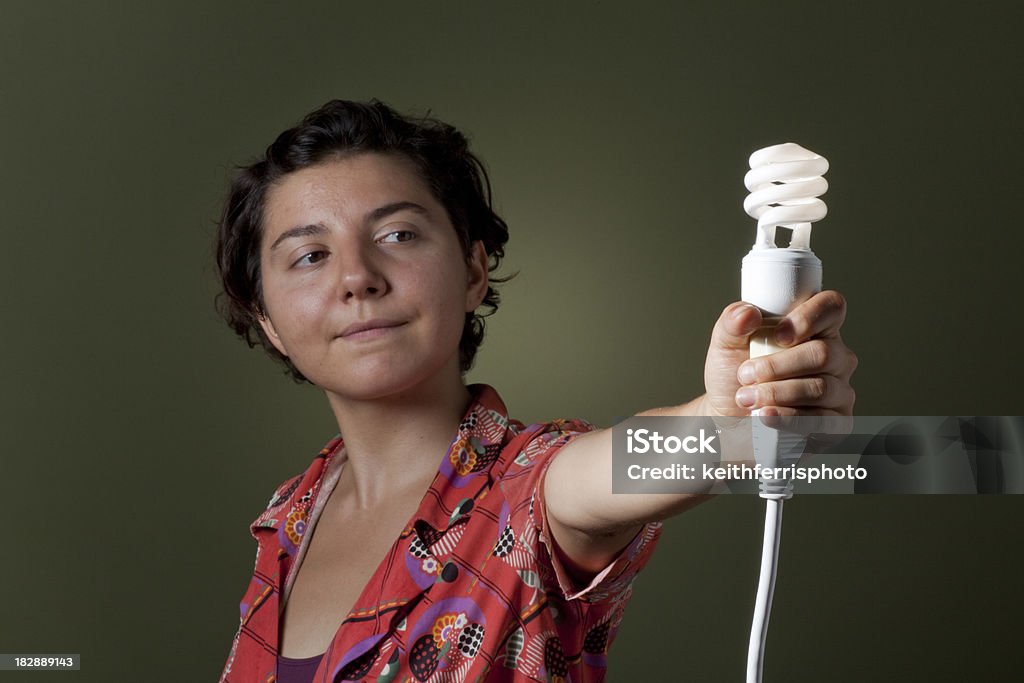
(483, 430)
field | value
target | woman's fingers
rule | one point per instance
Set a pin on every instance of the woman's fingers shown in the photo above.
(820, 316)
(815, 357)
(818, 392)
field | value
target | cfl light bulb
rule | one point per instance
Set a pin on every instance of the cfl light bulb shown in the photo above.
(785, 184)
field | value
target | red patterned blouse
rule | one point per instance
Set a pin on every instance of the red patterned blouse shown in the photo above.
(470, 591)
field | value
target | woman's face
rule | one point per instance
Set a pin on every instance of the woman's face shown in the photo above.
(365, 284)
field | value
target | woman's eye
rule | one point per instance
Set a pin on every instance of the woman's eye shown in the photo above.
(311, 258)
(398, 236)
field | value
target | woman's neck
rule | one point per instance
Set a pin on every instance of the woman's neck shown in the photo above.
(396, 444)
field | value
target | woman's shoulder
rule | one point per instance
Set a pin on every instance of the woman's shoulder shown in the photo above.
(297, 491)
(542, 438)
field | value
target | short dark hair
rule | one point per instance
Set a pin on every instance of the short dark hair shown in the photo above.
(338, 129)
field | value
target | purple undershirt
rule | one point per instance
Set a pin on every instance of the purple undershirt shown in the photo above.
(297, 670)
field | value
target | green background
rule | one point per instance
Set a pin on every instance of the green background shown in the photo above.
(139, 437)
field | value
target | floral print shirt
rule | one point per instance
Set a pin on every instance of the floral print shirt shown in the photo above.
(470, 591)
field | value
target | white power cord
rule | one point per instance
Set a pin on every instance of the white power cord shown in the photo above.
(765, 590)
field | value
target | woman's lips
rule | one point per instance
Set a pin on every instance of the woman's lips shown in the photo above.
(369, 329)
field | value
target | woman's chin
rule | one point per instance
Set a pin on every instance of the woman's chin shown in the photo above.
(383, 384)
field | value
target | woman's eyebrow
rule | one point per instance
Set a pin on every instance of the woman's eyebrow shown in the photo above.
(394, 207)
(373, 216)
(299, 231)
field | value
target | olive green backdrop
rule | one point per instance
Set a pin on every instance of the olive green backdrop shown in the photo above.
(139, 438)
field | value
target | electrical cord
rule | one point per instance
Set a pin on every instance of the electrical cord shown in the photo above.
(765, 589)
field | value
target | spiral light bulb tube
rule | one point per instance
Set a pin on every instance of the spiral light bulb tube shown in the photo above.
(784, 183)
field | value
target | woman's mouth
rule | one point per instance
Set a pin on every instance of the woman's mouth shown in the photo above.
(369, 329)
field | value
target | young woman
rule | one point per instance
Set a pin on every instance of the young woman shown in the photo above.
(435, 538)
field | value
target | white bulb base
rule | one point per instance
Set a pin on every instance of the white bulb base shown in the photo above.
(778, 280)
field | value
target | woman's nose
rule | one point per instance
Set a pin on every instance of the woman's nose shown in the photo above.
(361, 277)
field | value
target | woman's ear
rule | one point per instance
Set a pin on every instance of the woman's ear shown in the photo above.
(477, 280)
(271, 333)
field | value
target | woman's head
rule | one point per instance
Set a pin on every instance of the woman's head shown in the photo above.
(338, 130)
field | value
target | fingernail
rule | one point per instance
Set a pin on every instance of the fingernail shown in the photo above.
(784, 333)
(747, 374)
(746, 397)
(740, 312)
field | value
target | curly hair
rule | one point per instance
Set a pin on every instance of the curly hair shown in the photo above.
(337, 130)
